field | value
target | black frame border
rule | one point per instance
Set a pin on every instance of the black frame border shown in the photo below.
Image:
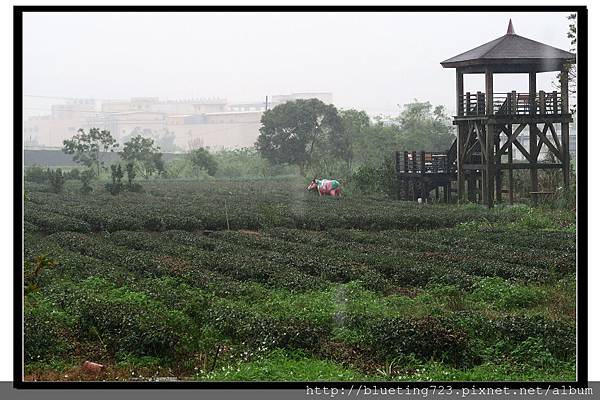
(582, 201)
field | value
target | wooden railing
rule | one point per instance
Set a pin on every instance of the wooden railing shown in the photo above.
(511, 103)
(422, 162)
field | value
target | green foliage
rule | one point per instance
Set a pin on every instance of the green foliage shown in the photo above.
(126, 321)
(56, 179)
(48, 330)
(87, 148)
(86, 177)
(116, 175)
(424, 127)
(144, 155)
(302, 132)
(203, 160)
(357, 287)
(32, 271)
(73, 174)
(131, 174)
(504, 294)
(36, 174)
(280, 365)
(420, 126)
(242, 163)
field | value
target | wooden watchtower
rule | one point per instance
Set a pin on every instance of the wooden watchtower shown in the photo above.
(489, 123)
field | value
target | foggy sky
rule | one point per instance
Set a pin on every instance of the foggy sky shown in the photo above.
(370, 61)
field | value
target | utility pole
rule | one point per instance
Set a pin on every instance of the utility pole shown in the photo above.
(266, 103)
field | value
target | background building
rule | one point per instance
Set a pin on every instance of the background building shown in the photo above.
(176, 125)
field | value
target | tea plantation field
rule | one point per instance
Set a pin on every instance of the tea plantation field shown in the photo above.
(260, 281)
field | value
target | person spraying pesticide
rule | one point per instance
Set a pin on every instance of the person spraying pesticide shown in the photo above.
(325, 187)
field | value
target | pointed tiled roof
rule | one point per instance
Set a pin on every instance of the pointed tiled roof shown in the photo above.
(510, 30)
(511, 49)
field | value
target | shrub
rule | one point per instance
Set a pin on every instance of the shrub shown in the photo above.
(430, 337)
(36, 174)
(130, 322)
(56, 180)
(505, 295)
(86, 177)
(116, 174)
(73, 174)
(48, 331)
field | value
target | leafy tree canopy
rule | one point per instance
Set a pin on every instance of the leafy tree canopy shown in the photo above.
(88, 148)
(202, 159)
(302, 132)
(424, 127)
(144, 154)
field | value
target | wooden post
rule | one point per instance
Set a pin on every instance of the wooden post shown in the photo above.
(498, 172)
(460, 138)
(489, 139)
(405, 182)
(514, 102)
(460, 88)
(510, 170)
(467, 108)
(542, 102)
(424, 189)
(447, 192)
(555, 102)
(564, 126)
(472, 186)
(460, 151)
(533, 173)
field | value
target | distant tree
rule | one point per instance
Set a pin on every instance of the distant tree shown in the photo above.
(144, 154)
(423, 127)
(167, 141)
(301, 132)
(202, 159)
(88, 148)
(355, 123)
(130, 169)
(86, 177)
(56, 178)
(571, 68)
(116, 175)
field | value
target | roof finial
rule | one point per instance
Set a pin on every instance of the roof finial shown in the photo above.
(510, 30)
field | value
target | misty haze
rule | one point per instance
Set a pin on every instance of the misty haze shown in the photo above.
(300, 197)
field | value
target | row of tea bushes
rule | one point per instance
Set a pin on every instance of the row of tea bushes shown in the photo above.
(165, 318)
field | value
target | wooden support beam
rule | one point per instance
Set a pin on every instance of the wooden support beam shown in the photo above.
(489, 140)
(498, 175)
(524, 165)
(460, 88)
(460, 159)
(511, 137)
(544, 140)
(564, 126)
(479, 134)
(511, 187)
(472, 187)
(557, 143)
(525, 153)
(533, 174)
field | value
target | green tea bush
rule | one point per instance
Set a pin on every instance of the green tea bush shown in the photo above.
(130, 322)
(48, 331)
(430, 337)
(557, 336)
(504, 294)
(36, 174)
(52, 222)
